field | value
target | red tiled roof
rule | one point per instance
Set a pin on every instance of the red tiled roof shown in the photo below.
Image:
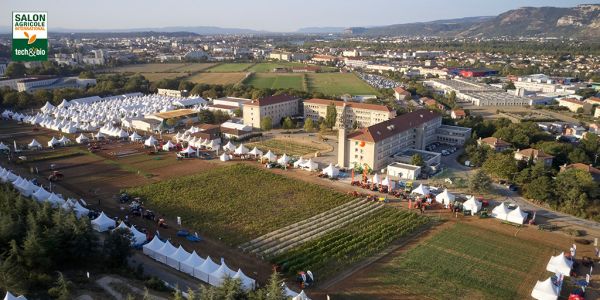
(492, 141)
(584, 167)
(593, 99)
(529, 152)
(459, 112)
(350, 104)
(383, 130)
(572, 100)
(400, 90)
(269, 100)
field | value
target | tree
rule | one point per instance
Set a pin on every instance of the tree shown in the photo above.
(573, 189)
(500, 165)
(331, 115)
(479, 181)
(273, 288)
(206, 116)
(61, 289)
(221, 117)
(578, 155)
(509, 86)
(87, 75)
(177, 294)
(13, 276)
(540, 188)
(171, 122)
(192, 294)
(309, 125)
(288, 123)
(266, 124)
(15, 70)
(417, 160)
(117, 247)
(238, 112)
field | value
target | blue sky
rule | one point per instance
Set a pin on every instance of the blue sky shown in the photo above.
(271, 15)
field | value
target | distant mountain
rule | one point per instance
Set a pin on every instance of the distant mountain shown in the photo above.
(582, 21)
(321, 30)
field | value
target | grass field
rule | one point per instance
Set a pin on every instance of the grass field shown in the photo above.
(463, 262)
(230, 67)
(280, 146)
(217, 78)
(339, 249)
(147, 68)
(153, 77)
(339, 84)
(277, 81)
(269, 66)
(192, 67)
(238, 202)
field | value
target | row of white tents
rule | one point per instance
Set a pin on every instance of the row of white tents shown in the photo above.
(516, 215)
(549, 289)
(204, 269)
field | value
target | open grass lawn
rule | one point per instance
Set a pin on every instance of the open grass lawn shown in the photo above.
(269, 66)
(464, 262)
(335, 251)
(153, 77)
(238, 202)
(279, 146)
(230, 67)
(217, 78)
(148, 68)
(277, 81)
(339, 84)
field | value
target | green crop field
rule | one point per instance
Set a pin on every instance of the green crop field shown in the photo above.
(464, 262)
(269, 66)
(339, 84)
(217, 78)
(147, 68)
(279, 146)
(238, 202)
(276, 81)
(230, 67)
(335, 251)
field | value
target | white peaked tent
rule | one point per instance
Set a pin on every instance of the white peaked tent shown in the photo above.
(299, 162)
(27, 188)
(472, 204)
(55, 200)
(53, 142)
(122, 134)
(103, 223)
(135, 137)
(34, 145)
(517, 216)
(193, 261)
(213, 145)
(560, 264)
(151, 141)
(216, 278)
(47, 107)
(270, 156)
(283, 160)
(545, 290)
(388, 182)
(122, 225)
(445, 197)
(255, 152)
(79, 210)
(64, 140)
(137, 237)
(207, 267)
(189, 151)
(174, 260)
(164, 252)
(241, 150)
(247, 282)
(99, 136)
(376, 179)
(500, 211)
(151, 249)
(63, 104)
(41, 194)
(301, 296)
(10, 296)
(421, 190)
(229, 146)
(331, 171)
(310, 165)
(168, 146)
(224, 157)
(3, 147)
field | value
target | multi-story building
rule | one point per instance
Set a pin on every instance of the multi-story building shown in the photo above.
(573, 104)
(349, 113)
(376, 145)
(276, 107)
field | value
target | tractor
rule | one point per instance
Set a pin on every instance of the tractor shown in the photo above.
(56, 176)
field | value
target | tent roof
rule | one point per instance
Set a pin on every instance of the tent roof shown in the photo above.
(155, 244)
(421, 189)
(560, 264)
(180, 255)
(545, 290)
(208, 266)
(193, 260)
(167, 249)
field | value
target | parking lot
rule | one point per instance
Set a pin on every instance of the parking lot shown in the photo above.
(444, 149)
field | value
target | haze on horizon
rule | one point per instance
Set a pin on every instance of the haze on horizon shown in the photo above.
(268, 15)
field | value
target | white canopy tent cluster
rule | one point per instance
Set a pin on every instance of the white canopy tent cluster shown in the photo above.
(10, 115)
(137, 237)
(28, 189)
(549, 289)
(197, 142)
(473, 205)
(204, 269)
(445, 198)
(89, 114)
(502, 212)
(331, 171)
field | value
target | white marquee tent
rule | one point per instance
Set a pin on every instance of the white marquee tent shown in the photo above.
(224, 157)
(472, 204)
(421, 190)
(174, 260)
(168, 146)
(188, 265)
(283, 160)
(270, 156)
(560, 264)
(207, 267)
(10, 296)
(445, 197)
(256, 152)
(517, 216)
(545, 290)
(164, 252)
(103, 223)
(331, 171)
(151, 249)
(500, 211)
(34, 145)
(241, 150)
(151, 141)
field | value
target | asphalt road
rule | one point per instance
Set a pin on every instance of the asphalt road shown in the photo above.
(171, 276)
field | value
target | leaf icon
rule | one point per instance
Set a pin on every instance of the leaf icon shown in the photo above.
(31, 39)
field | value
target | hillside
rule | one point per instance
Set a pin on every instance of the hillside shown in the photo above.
(581, 21)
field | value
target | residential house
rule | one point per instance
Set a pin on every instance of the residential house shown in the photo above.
(535, 155)
(495, 143)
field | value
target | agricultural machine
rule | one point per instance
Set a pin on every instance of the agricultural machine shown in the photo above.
(306, 279)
